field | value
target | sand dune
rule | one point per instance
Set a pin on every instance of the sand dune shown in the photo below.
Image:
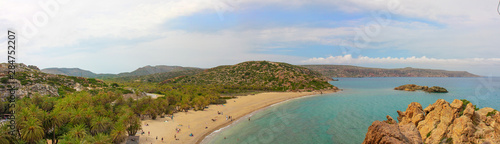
(195, 122)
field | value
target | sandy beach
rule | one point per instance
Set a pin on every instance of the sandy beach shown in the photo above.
(195, 122)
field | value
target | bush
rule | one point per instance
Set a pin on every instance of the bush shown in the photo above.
(4, 80)
(491, 113)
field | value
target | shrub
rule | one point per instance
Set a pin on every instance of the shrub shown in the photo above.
(491, 113)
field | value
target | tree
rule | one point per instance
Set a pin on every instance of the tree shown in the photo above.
(54, 121)
(100, 125)
(118, 133)
(100, 139)
(77, 132)
(114, 85)
(5, 137)
(32, 130)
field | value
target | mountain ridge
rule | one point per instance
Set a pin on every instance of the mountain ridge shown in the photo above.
(146, 70)
(357, 71)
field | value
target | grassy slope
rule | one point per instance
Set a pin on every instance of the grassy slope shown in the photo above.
(259, 75)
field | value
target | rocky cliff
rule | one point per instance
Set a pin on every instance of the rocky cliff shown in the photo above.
(459, 122)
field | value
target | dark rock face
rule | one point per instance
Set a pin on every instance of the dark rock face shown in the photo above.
(414, 87)
(440, 122)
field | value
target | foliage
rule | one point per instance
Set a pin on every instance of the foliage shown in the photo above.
(491, 113)
(258, 75)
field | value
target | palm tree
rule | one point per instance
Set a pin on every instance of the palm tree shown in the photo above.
(77, 116)
(77, 132)
(100, 139)
(5, 137)
(54, 120)
(118, 133)
(32, 130)
(100, 125)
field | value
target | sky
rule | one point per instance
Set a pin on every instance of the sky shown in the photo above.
(116, 36)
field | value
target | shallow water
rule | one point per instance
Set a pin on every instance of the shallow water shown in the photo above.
(344, 117)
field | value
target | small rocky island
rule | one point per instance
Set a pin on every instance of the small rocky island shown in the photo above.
(459, 122)
(414, 87)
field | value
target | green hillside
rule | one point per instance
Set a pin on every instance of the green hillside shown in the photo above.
(259, 75)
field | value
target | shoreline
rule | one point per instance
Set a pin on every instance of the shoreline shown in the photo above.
(197, 121)
(259, 109)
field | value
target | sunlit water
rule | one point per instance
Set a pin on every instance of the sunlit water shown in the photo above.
(344, 117)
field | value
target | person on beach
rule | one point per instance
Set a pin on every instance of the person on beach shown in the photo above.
(248, 118)
(149, 133)
(175, 136)
(161, 139)
(156, 137)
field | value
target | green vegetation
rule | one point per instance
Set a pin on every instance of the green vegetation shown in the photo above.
(79, 117)
(429, 134)
(492, 113)
(258, 76)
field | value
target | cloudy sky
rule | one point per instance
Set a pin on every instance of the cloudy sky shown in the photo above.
(115, 36)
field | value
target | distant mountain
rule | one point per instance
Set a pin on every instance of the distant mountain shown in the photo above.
(259, 75)
(70, 72)
(157, 77)
(355, 71)
(147, 70)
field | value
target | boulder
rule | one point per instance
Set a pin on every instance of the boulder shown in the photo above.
(385, 133)
(413, 114)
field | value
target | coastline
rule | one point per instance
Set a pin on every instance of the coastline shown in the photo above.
(196, 121)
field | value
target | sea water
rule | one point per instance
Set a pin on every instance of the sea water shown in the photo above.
(344, 117)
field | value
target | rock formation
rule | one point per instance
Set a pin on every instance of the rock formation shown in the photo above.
(414, 87)
(441, 122)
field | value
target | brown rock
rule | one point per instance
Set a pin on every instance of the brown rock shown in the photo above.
(439, 117)
(413, 114)
(390, 120)
(385, 133)
(440, 124)
(483, 112)
(457, 107)
(462, 130)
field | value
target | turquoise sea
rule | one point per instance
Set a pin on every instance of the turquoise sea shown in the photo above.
(344, 117)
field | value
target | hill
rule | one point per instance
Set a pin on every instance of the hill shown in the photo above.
(355, 71)
(30, 80)
(259, 75)
(147, 70)
(70, 72)
(157, 77)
